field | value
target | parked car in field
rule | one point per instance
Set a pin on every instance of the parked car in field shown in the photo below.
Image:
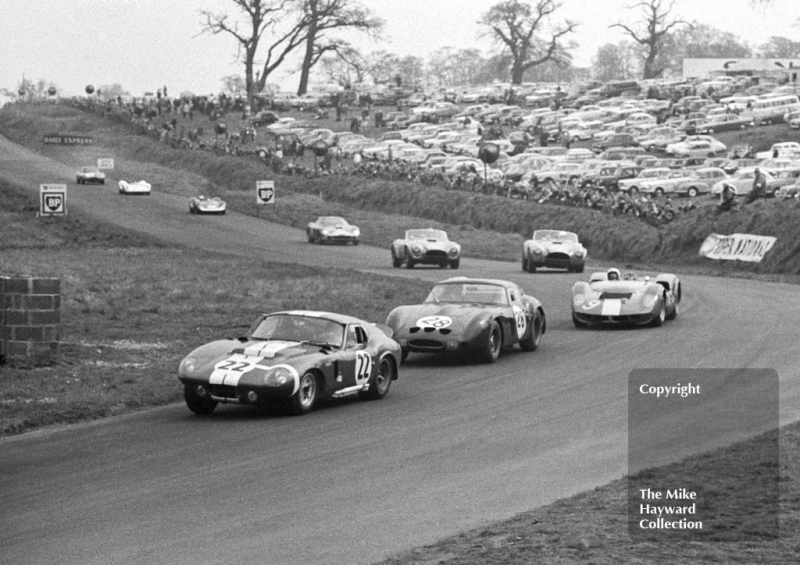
(724, 122)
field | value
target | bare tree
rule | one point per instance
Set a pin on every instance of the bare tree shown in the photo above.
(382, 66)
(279, 23)
(345, 66)
(323, 16)
(655, 18)
(520, 28)
(614, 62)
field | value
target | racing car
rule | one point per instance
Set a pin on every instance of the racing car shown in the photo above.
(332, 229)
(470, 315)
(625, 298)
(139, 187)
(294, 357)
(203, 205)
(553, 248)
(425, 247)
(86, 175)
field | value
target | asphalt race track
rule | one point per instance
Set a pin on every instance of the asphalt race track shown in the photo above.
(452, 447)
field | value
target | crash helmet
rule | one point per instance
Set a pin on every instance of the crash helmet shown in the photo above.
(613, 274)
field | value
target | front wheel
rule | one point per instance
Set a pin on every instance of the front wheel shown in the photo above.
(531, 343)
(396, 261)
(381, 382)
(454, 263)
(494, 343)
(692, 192)
(674, 314)
(662, 315)
(305, 398)
(201, 406)
(578, 323)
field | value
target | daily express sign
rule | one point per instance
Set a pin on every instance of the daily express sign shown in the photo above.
(67, 139)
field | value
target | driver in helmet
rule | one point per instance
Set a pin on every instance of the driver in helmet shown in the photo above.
(613, 274)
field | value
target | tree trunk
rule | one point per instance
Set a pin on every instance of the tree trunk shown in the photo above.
(305, 69)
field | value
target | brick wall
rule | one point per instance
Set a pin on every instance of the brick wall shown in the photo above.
(30, 319)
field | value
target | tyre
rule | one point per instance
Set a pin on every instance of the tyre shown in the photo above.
(409, 262)
(201, 406)
(662, 315)
(578, 269)
(531, 266)
(531, 343)
(454, 263)
(380, 383)
(306, 396)
(673, 314)
(524, 262)
(692, 192)
(355, 242)
(395, 261)
(577, 322)
(404, 354)
(309, 237)
(494, 343)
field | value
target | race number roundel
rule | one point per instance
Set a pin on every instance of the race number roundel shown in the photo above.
(522, 323)
(435, 322)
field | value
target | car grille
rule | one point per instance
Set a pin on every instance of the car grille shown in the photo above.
(436, 255)
(426, 344)
(443, 331)
(223, 391)
(558, 260)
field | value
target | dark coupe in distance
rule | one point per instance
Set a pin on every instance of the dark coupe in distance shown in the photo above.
(295, 357)
(462, 315)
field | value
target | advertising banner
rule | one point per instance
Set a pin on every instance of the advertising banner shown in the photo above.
(737, 246)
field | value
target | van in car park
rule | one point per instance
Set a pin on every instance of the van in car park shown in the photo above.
(772, 109)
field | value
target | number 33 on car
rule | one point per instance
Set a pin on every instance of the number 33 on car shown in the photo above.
(298, 358)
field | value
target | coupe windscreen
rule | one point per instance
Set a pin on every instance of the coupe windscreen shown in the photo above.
(555, 235)
(468, 293)
(287, 327)
(426, 234)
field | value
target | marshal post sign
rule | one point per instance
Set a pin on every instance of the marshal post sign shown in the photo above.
(67, 139)
(52, 199)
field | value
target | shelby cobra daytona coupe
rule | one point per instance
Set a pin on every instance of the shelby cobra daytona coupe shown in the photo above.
(293, 357)
(627, 298)
(425, 247)
(553, 248)
(464, 314)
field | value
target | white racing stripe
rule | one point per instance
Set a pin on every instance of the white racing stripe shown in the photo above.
(611, 307)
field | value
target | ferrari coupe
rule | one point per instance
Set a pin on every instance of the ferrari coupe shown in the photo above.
(462, 315)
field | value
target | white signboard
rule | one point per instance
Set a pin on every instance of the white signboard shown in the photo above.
(737, 246)
(265, 192)
(52, 199)
(105, 163)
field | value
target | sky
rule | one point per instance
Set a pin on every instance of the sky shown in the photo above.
(144, 45)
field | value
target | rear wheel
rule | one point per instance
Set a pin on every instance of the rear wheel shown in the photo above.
(494, 343)
(531, 343)
(201, 406)
(305, 398)
(692, 192)
(381, 382)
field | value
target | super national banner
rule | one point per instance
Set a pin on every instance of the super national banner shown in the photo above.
(737, 246)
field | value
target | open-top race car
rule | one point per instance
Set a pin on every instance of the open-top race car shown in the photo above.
(294, 357)
(462, 315)
(86, 175)
(425, 247)
(332, 229)
(625, 298)
(553, 248)
(203, 205)
(139, 187)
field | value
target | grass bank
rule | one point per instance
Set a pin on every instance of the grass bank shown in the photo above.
(608, 238)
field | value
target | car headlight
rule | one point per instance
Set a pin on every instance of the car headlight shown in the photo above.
(187, 365)
(356, 232)
(327, 232)
(578, 254)
(578, 300)
(453, 251)
(537, 250)
(416, 249)
(648, 300)
(279, 376)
